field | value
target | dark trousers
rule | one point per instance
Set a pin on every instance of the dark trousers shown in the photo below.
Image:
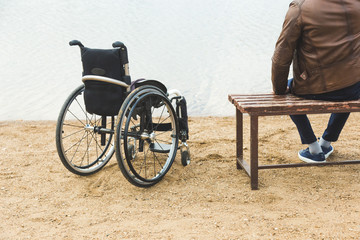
(337, 120)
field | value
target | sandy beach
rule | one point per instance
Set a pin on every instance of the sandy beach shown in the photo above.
(209, 199)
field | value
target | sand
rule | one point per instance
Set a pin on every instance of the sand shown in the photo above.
(209, 199)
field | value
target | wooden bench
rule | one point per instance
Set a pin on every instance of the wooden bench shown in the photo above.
(256, 105)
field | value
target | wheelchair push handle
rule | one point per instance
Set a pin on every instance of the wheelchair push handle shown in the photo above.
(118, 44)
(123, 53)
(76, 42)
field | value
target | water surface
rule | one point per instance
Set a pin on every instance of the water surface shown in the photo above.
(205, 48)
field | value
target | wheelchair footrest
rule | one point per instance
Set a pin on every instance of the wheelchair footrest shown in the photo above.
(160, 147)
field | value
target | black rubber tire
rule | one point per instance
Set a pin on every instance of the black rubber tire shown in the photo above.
(127, 119)
(185, 158)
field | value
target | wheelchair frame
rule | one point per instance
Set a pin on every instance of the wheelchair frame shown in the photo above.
(145, 134)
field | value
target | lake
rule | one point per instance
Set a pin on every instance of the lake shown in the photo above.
(204, 48)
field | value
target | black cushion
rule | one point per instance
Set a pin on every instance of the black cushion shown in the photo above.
(102, 62)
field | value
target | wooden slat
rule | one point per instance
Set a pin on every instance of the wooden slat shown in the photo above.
(270, 104)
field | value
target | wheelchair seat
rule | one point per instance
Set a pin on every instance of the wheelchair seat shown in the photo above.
(142, 82)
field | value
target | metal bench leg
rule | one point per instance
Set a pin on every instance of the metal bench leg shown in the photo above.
(254, 151)
(239, 138)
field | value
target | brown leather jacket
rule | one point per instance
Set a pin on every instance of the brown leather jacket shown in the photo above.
(322, 39)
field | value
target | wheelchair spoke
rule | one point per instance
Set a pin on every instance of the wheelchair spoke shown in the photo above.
(78, 142)
(72, 134)
(72, 125)
(157, 161)
(76, 117)
(90, 120)
(161, 115)
(77, 148)
(97, 122)
(87, 148)
(97, 145)
(161, 133)
(132, 121)
(82, 109)
(144, 162)
(97, 142)
(152, 112)
(163, 141)
(162, 122)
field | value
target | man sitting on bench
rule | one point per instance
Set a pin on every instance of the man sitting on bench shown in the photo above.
(322, 40)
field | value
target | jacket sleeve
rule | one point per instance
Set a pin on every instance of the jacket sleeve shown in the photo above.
(285, 47)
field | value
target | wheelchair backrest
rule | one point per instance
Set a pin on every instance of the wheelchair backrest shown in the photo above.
(102, 62)
(103, 68)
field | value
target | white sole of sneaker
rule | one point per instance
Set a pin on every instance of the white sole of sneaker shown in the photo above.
(328, 154)
(307, 160)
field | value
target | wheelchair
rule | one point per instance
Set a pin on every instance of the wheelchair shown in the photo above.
(140, 121)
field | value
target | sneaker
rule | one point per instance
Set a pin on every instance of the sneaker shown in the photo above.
(327, 151)
(306, 156)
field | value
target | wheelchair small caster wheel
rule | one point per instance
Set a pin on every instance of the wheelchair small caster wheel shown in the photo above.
(185, 158)
(131, 151)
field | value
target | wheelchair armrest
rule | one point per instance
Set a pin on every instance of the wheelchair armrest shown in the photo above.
(104, 79)
(175, 92)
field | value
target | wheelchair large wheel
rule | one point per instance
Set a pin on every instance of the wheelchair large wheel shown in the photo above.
(84, 141)
(146, 136)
